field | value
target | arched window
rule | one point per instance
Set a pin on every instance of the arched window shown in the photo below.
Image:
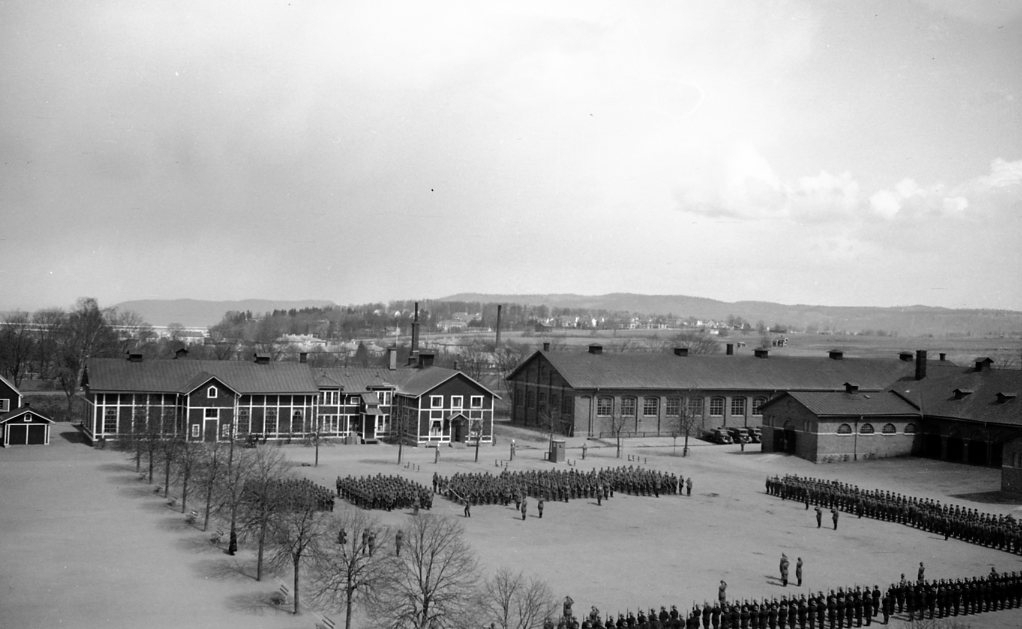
(211, 393)
(604, 406)
(757, 405)
(628, 407)
(889, 429)
(650, 406)
(866, 429)
(844, 429)
(910, 429)
(717, 405)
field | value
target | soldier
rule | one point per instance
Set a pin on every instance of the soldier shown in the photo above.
(468, 508)
(688, 486)
(833, 516)
(342, 537)
(922, 572)
(819, 516)
(524, 508)
(399, 538)
(585, 448)
(784, 570)
(798, 571)
(722, 592)
(539, 507)
(372, 542)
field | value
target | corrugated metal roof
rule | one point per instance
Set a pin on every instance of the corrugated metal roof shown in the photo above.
(173, 376)
(583, 370)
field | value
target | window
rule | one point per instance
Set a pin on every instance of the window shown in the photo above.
(716, 406)
(844, 429)
(436, 401)
(5, 405)
(329, 397)
(212, 413)
(910, 429)
(271, 420)
(757, 404)
(628, 407)
(110, 420)
(384, 397)
(605, 406)
(211, 393)
(195, 431)
(457, 401)
(866, 429)
(673, 407)
(225, 431)
(738, 406)
(243, 420)
(650, 406)
(889, 429)
(476, 401)
(695, 406)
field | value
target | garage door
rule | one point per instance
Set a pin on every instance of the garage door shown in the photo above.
(17, 434)
(36, 434)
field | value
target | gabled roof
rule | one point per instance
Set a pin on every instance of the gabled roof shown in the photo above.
(112, 375)
(23, 410)
(201, 379)
(936, 397)
(413, 381)
(584, 370)
(10, 385)
(857, 404)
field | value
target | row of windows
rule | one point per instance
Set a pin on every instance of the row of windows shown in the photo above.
(868, 429)
(457, 401)
(672, 407)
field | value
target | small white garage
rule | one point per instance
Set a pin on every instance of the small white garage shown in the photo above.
(25, 427)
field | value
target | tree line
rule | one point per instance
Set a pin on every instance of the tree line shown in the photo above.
(421, 574)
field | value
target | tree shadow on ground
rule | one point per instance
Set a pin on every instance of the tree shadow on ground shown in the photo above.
(200, 542)
(991, 497)
(224, 568)
(123, 468)
(261, 603)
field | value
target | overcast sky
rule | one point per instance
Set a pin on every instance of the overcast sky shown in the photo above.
(838, 153)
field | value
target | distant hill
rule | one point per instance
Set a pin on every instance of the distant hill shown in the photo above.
(902, 320)
(199, 313)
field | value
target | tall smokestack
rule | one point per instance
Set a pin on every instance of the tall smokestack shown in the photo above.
(415, 329)
(729, 349)
(499, 308)
(920, 364)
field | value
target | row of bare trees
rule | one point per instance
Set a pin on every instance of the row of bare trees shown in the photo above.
(423, 575)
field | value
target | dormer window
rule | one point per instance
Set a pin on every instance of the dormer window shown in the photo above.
(1003, 397)
(211, 393)
(961, 393)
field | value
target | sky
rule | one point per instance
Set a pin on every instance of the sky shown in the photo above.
(845, 152)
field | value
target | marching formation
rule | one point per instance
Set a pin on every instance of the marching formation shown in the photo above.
(841, 608)
(1002, 532)
(557, 485)
(384, 492)
(292, 494)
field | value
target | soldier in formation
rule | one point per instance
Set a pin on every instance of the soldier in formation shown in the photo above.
(383, 492)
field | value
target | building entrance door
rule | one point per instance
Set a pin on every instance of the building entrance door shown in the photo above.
(209, 428)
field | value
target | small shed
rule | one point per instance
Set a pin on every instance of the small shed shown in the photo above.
(24, 426)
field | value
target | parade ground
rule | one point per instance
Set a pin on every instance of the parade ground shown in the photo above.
(84, 543)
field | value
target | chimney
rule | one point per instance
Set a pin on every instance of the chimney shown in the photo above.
(499, 308)
(836, 354)
(262, 358)
(851, 387)
(943, 356)
(595, 349)
(729, 349)
(546, 346)
(415, 329)
(392, 358)
(180, 352)
(905, 356)
(413, 358)
(920, 364)
(681, 351)
(426, 359)
(457, 366)
(303, 357)
(761, 353)
(134, 356)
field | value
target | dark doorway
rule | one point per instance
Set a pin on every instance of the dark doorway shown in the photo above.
(954, 449)
(459, 430)
(931, 446)
(209, 428)
(977, 453)
(36, 434)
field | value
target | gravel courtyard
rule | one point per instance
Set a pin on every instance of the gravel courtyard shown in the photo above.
(87, 544)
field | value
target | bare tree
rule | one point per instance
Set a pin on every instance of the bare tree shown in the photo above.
(260, 498)
(16, 346)
(514, 602)
(434, 585)
(210, 476)
(346, 574)
(618, 421)
(685, 424)
(297, 529)
(188, 459)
